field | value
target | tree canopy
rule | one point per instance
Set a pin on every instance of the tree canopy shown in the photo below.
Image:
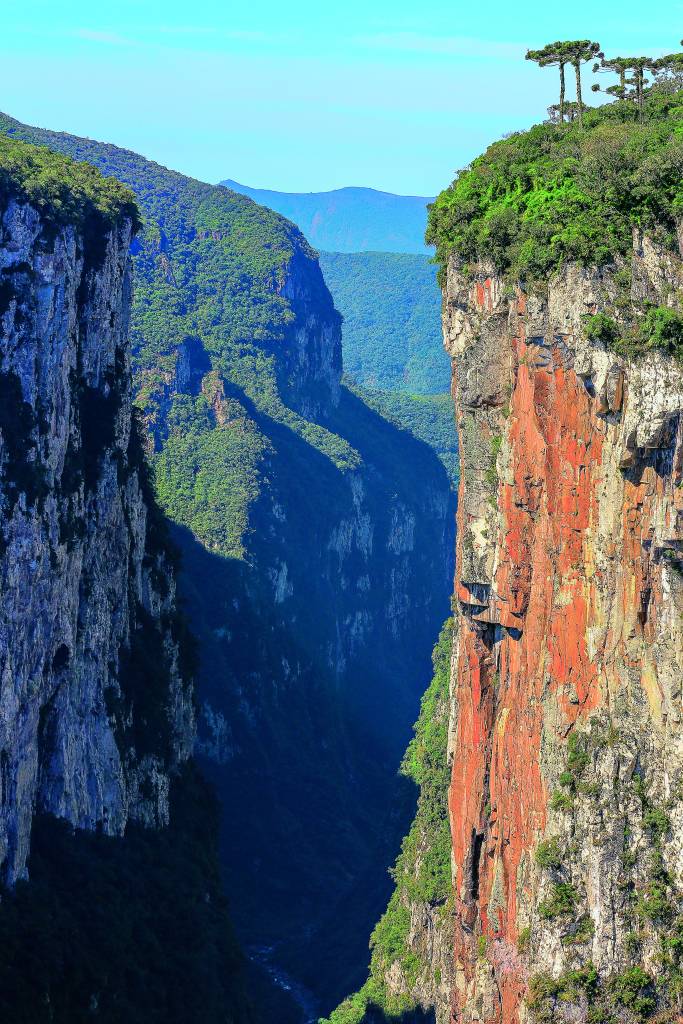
(568, 192)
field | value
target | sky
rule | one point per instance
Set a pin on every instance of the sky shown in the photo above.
(303, 96)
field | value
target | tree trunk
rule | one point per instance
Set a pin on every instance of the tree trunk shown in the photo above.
(577, 69)
(622, 83)
(561, 92)
(639, 92)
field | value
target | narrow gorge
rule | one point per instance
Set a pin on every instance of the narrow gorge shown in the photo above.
(225, 565)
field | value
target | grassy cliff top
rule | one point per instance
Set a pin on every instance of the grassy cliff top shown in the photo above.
(64, 191)
(557, 193)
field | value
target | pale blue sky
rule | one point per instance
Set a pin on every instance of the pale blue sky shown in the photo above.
(302, 96)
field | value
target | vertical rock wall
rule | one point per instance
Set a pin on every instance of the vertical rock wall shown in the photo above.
(94, 711)
(565, 799)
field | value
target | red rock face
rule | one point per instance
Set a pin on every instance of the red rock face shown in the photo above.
(564, 594)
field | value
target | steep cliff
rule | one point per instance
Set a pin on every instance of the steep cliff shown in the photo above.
(562, 277)
(99, 808)
(86, 596)
(316, 571)
(565, 792)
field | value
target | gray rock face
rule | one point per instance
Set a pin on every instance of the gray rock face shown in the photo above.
(94, 712)
(565, 800)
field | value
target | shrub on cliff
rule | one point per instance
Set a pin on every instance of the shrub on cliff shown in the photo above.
(560, 192)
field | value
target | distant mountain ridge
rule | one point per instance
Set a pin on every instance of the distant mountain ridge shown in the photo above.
(350, 219)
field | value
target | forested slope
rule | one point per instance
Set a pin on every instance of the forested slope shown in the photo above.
(308, 549)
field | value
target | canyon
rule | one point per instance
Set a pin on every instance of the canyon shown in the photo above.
(306, 549)
(180, 449)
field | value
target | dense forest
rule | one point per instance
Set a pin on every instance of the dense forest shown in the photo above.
(392, 320)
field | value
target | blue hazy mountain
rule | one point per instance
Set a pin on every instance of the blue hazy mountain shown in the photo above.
(350, 219)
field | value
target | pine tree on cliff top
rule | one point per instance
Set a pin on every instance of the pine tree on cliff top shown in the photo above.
(562, 52)
(578, 52)
(552, 56)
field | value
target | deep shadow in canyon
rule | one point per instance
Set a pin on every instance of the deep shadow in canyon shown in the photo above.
(304, 751)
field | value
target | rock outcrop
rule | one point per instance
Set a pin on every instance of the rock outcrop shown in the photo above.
(95, 712)
(567, 784)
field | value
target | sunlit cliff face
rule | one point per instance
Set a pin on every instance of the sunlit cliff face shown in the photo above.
(568, 656)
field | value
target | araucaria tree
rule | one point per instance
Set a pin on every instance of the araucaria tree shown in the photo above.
(578, 52)
(671, 64)
(552, 56)
(619, 66)
(560, 53)
(640, 65)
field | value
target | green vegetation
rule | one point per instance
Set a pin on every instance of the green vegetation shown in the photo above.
(208, 265)
(207, 475)
(548, 854)
(545, 991)
(564, 192)
(423, 868)
(650, 907)
(391, 333)
(391, 337)
(602, 327)
(491, 473)
(132, 928)
(578, 760)
(632, 990)
(657, 822)
(350, 220)
(583, 932)
(560, 801)
(661, 327)
(429, 418)
(65, 192)
(560, 903)
(558, 54)
(254, 465)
